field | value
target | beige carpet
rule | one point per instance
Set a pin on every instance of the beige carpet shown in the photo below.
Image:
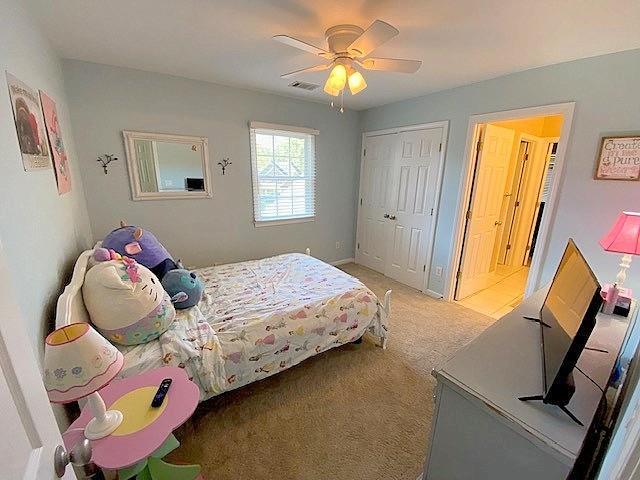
(353, 412)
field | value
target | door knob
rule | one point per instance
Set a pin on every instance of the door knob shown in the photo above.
(392, 217)
(386, 215)
(80, 456)
(497, 222)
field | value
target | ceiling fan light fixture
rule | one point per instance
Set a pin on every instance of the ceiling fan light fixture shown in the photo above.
(337, 78)
(356, 82)
(330, 90)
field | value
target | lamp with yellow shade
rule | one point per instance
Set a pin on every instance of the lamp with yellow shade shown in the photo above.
(78, 362)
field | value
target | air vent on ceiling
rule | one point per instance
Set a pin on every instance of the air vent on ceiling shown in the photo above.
(304, 85)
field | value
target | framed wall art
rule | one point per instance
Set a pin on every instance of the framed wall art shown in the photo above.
(27, 115)
(618, 158)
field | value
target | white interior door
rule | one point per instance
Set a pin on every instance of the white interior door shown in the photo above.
(533, 180)
(414, 194)
(486, 202)
(29, 431)
(375, 200)
(147, 168)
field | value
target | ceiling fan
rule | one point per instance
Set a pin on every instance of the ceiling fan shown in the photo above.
(349, 46)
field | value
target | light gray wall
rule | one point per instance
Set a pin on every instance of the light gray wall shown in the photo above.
(605, 90)
(106, 100)
(41, 232)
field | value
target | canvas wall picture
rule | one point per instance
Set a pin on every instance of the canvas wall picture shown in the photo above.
(27, 115)
(60, 159)
(619, 158)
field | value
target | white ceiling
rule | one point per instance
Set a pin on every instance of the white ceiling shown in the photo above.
(229, 41)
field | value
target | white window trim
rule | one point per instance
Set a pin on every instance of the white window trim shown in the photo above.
(287, 221)
(284, 129)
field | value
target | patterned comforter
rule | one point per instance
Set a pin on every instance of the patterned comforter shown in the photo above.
(259, 318)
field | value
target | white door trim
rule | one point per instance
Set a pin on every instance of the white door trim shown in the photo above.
(566, 110)
(444, 124)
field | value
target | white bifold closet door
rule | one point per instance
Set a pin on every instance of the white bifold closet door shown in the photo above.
(397, 198)
(375, 201)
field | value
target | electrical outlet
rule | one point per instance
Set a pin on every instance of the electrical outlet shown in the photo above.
(438, 271)
(337, 245)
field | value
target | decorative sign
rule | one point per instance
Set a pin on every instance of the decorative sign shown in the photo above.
(619, 158)
(27, 115)
(60, 161)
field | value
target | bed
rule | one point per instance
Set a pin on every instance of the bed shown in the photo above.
(258, 318)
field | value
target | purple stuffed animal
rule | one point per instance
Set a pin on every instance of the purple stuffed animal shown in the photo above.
(142, 246)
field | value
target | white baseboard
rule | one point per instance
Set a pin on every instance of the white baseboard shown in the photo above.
(343, 261)
(434, 294)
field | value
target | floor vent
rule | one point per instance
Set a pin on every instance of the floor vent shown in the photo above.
(304, 85)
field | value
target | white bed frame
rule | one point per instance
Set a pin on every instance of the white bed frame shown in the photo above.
(70, 307)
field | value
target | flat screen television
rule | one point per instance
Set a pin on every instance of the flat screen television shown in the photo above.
(567, 318)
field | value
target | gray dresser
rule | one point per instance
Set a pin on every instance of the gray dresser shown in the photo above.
(482, 431)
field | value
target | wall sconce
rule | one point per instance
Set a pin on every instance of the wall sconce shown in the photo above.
(224, 164)
(106, 161)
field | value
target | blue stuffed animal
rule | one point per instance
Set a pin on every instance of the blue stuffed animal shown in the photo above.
(184, 287)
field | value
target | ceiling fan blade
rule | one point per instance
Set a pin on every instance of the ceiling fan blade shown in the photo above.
(391, 65)
(307, 47)
(315, 68)
(378, 33)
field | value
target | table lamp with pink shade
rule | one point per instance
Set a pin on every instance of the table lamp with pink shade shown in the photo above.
(624, 237)
(78, 362)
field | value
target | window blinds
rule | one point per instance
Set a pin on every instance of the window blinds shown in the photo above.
(283, 167)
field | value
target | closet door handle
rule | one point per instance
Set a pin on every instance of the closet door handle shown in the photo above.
(497, 222)
(392, 217)
(386, 215)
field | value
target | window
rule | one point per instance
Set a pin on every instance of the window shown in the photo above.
(283, 166)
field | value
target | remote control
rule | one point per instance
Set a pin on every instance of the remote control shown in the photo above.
(158, 398)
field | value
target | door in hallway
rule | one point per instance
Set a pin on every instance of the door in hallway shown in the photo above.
(375, 200)
(414, 196)
(483, 215)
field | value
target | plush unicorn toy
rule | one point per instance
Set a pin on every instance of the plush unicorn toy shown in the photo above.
(142, 246)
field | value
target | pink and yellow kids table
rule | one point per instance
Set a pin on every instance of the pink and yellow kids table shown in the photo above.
(145, 435)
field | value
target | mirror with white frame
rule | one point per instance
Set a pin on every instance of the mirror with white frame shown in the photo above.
(164, 166)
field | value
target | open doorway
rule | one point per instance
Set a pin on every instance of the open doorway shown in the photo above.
(513, 172)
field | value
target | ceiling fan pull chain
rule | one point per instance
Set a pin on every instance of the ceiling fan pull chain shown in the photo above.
(342, 101)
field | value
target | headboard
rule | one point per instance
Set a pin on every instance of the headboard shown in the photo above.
(70, 307)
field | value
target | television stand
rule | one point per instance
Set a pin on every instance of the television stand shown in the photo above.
(561, 407)
(559, 395)
(476, 405)
(537, 320)
(593, 349)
